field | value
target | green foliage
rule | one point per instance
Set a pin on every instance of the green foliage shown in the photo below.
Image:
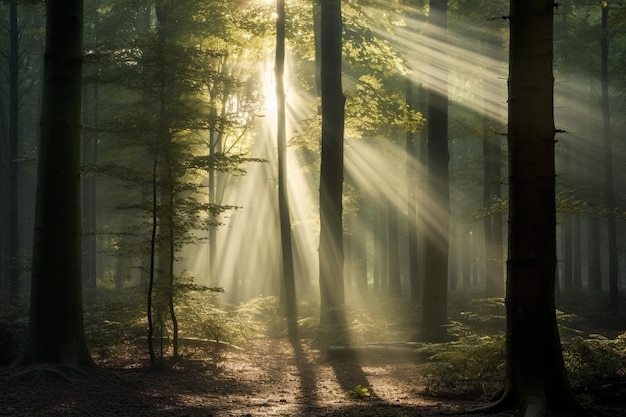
(471, 366)
(201, 316)
(375, 108)
(113, 318)
(359, 391)
(595, 361)
(263, 316)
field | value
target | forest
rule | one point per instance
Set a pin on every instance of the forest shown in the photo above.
(376, 208)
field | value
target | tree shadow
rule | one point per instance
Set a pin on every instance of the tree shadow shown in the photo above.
(307, 377)
(350, 375)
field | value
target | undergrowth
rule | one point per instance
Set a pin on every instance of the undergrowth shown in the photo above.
(473, 364)
(470, 365)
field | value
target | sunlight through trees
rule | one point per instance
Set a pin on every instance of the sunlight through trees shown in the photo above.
(430, 181)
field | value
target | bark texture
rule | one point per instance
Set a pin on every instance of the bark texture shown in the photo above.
(331, 172)
(56, 333)
(435, 290)
(536, 378)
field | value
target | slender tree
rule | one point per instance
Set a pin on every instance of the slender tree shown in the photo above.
(494, 270)
(289, 280)
(411, 169)
(56, 333)
(332, 309)
(535, 370)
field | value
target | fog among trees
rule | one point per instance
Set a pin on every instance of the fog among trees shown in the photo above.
(334, 207)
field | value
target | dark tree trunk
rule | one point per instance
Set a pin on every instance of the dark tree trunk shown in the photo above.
(151, 273)
(577, 276)
(4, 205)
(289, 280)
(535, 377)
(594, 268)
(13, 241)
(566, 244)
(56, 333)
(435, 290)
(494, 270)
(332, 311)
(609, 196)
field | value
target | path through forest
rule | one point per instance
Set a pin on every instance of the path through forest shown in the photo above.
(269, 377)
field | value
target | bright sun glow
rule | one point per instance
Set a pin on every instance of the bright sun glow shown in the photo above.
(375, 169)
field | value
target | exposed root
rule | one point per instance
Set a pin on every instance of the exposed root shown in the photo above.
(57, 372)
(507, 401)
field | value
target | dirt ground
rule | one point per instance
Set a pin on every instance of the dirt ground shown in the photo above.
(268, 378)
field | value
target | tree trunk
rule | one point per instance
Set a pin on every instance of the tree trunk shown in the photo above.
(393, 251)
(577, 276)
(535, 377)
(56, 333)
(609, 196)
(151, 273)
(566, 244)
(289, 280)
(359, 251)
(332, 311)
(494, 271)
(411, 175)
(13, 242)
(594, 269)
(435, 291)
(381, 255)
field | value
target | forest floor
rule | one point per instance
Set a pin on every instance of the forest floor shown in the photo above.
(270, 377)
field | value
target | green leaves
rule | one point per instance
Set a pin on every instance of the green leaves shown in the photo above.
(378, 107)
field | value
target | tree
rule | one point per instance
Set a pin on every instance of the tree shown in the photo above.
(55, 333)
(289, 284)
(608, 163)
(412, 192)
(13, 244)
(492, 153)
(435, 291)
(535, 370)
(332, 308)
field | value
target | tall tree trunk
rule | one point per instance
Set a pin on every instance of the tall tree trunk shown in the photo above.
(4, 205)
(381, 255)
(56, 333)
(609, 196)
(435, 291)
(411, 180)
(359, 251)
(289, 280)
(577, 256)
(166, 214)
(332, 311)
(14, 252)
(393, 251)
(151, 273)
(535, 377)
(594, 269)
(494, 271)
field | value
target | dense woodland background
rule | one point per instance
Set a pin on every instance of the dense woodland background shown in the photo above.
(181, 175)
